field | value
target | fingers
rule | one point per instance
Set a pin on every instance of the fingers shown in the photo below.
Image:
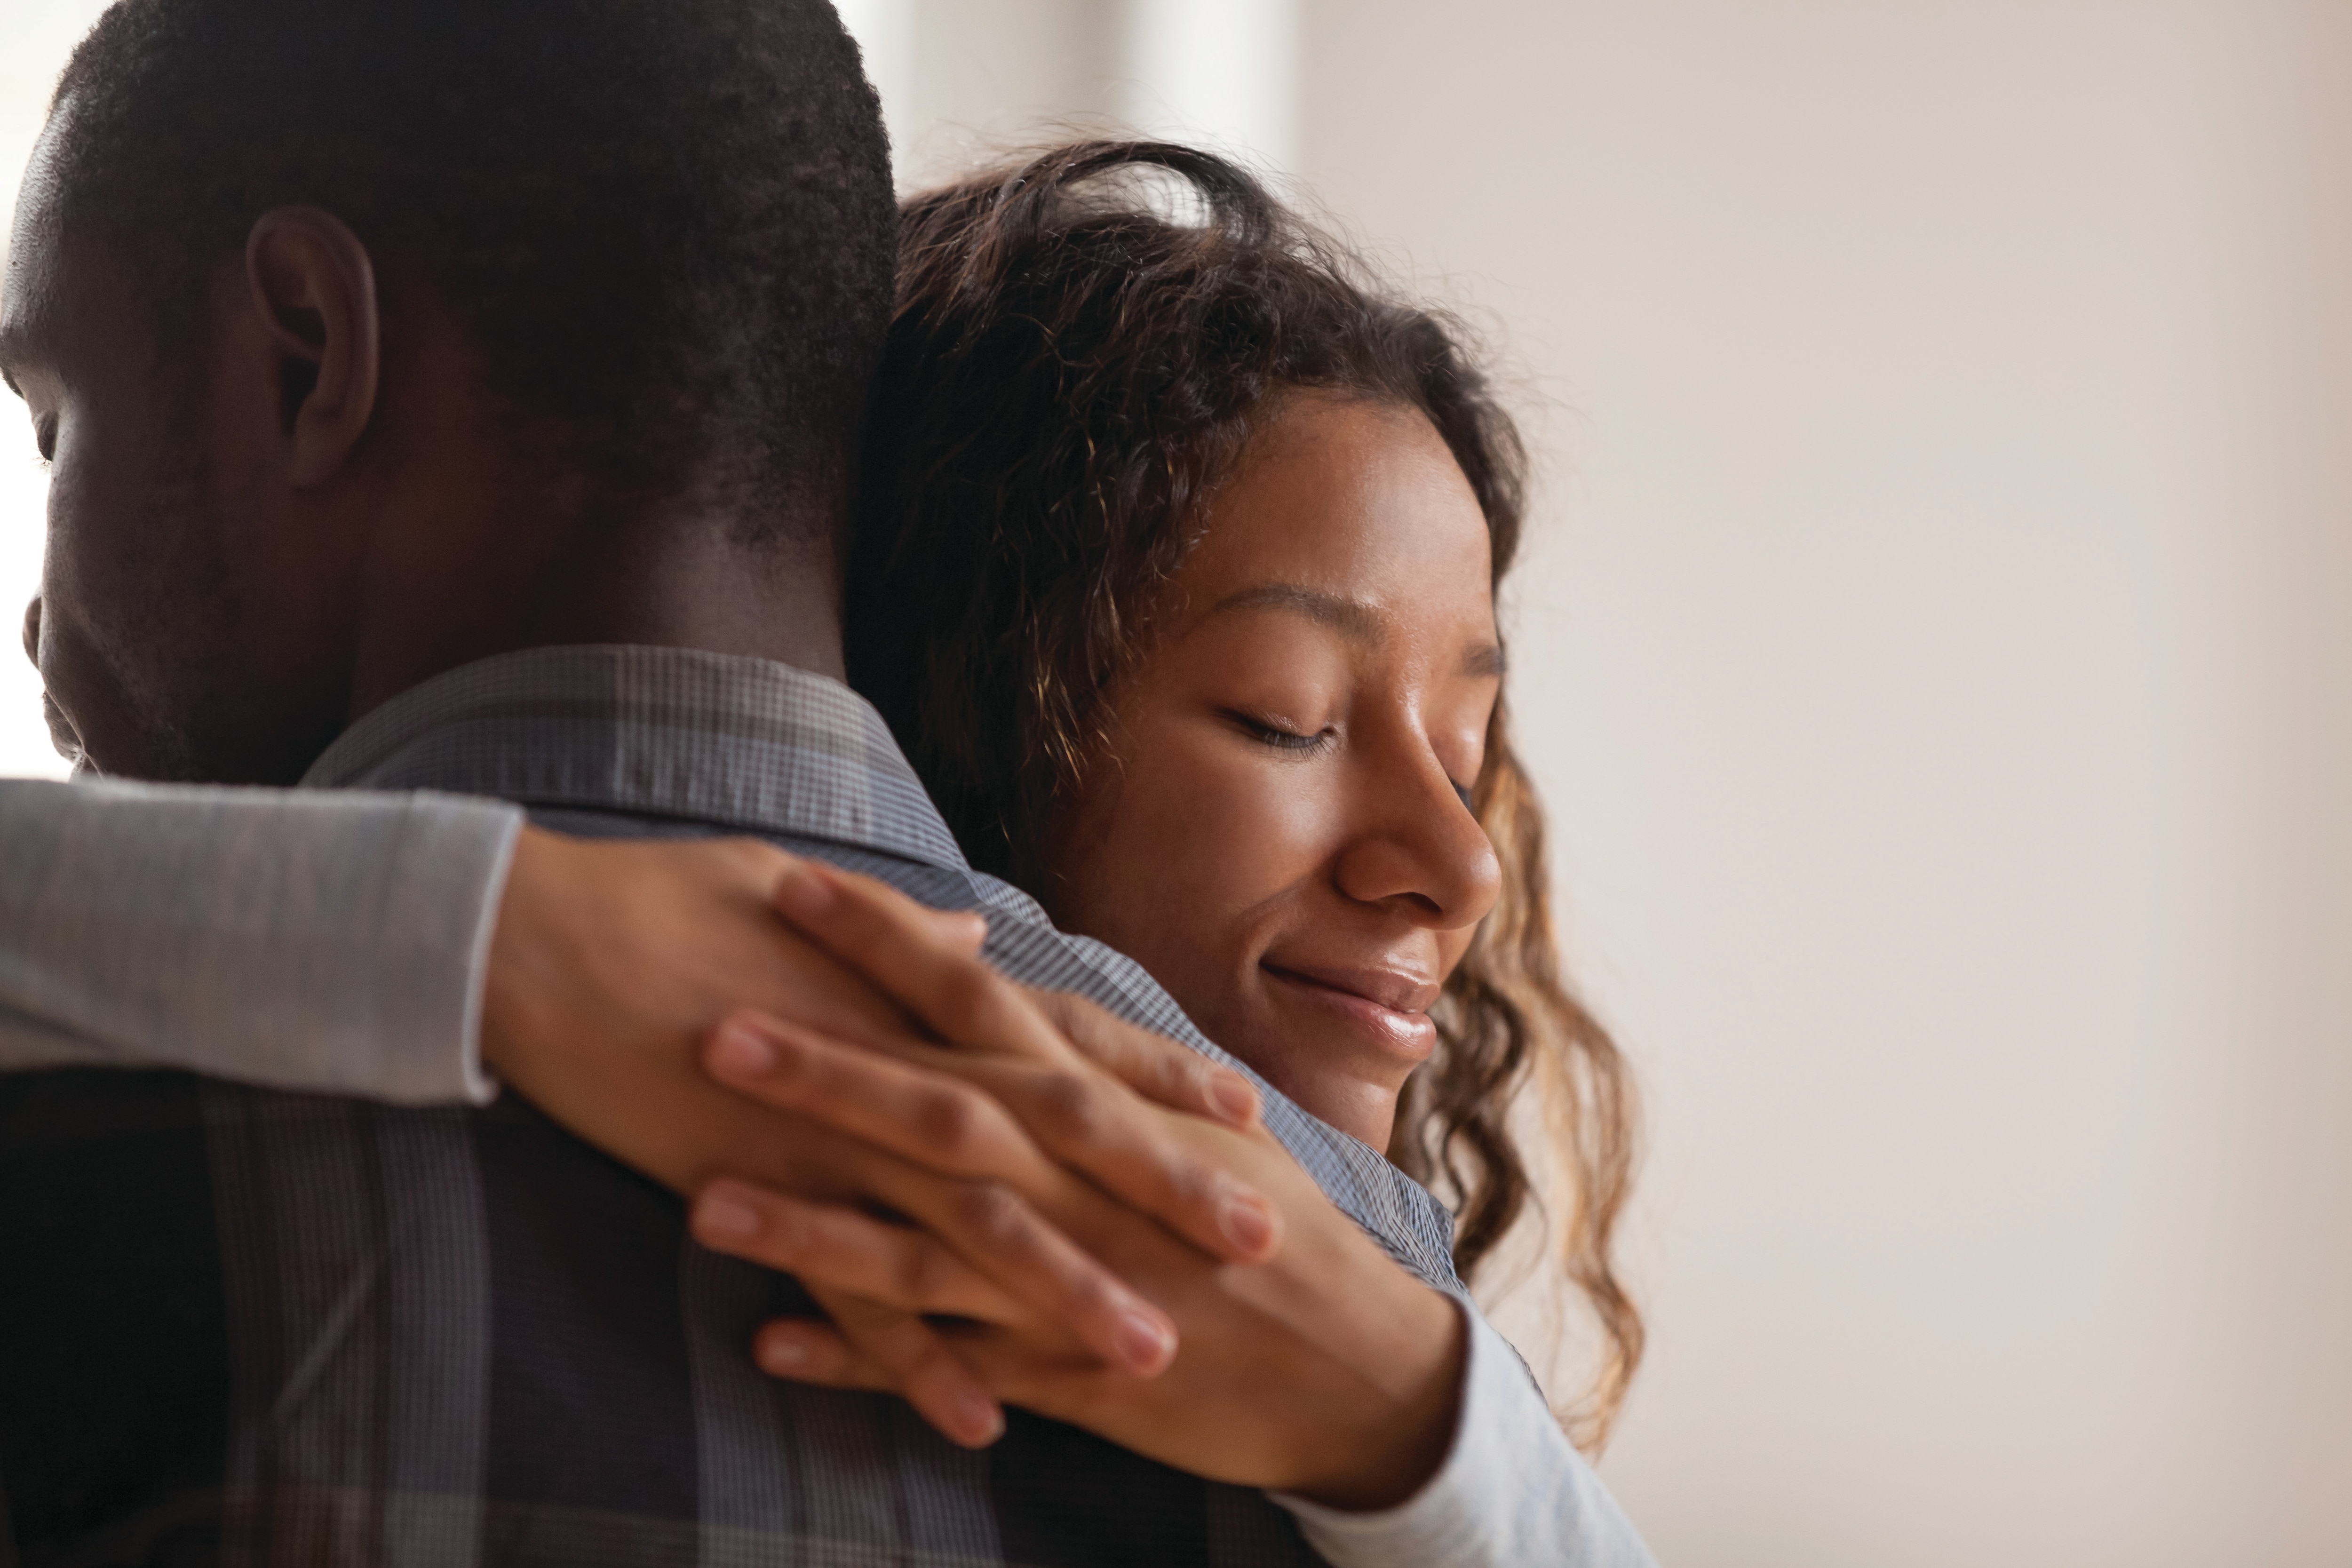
(964, 930)
(995, 1228)
(1007, 1369)
(899, 1273)
(806, 1350)
(927, 959)
(897, 945)
(841, 1250)
(1157, 1068)
(896, 1352)
(941, 1121)
(1083, 1118)
(995, 1233)
(1091, 1124)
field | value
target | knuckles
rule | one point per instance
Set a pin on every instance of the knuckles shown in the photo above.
(788, 1233)
(922, 1278)
(992, 1214)
(969, 996)
(951, 1122)
(1069, 1113)
(930, 1277)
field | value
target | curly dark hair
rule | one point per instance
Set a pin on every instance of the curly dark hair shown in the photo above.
(1070, 374)
(669, 229)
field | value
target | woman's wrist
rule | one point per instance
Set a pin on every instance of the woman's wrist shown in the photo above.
(1379, 1463)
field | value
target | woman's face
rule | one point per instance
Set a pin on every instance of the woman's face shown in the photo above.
(1277, 832)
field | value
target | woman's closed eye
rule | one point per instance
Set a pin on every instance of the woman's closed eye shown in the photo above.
(1268, 732)
(1279, 737)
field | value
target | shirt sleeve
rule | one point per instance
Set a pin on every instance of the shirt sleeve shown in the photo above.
(1512, 1493)
(329, 942)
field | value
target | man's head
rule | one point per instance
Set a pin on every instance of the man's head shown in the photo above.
(325, 312)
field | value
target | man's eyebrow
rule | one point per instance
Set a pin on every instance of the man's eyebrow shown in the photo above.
(1487, 660)
(1352, 618)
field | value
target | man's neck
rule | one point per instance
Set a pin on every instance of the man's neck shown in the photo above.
(686, 584)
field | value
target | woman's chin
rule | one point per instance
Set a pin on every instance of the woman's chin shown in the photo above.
(1338, 1065)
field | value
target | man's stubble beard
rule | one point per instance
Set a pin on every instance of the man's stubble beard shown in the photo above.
(162, 647)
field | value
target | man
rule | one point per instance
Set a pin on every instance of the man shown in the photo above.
(346, 493)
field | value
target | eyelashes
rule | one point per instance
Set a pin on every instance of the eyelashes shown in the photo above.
(1280, 739)
(1291, 741)
(45, 439)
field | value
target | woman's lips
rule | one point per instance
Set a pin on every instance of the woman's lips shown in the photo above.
(1393, 1008)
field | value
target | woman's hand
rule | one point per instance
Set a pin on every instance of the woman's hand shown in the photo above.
(611, 964)
(1326, 1370)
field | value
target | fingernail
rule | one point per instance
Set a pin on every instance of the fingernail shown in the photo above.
(1233, 1096)
(802, 892)
(979, 1421)
(724, 1215)
(783, 1354)
(739, 1052)
(1144, 1342)
(1248, 1223)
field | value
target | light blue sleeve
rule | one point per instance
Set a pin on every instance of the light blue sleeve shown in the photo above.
(331, 941)
(1513, 1492)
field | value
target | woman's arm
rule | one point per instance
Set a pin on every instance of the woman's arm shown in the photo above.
(331, 943)
(1405, 1429)
(359, 944)
(1393, 1422)
(1512, 1489)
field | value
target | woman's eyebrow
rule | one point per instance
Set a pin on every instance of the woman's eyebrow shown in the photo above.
(1352, 618)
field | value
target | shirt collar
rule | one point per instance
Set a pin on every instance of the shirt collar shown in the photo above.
(675, 732)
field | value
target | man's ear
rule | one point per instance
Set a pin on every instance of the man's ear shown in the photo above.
(314, 289)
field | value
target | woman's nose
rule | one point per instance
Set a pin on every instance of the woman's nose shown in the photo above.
(1418, 847)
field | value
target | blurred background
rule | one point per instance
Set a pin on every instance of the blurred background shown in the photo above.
(1936, 649)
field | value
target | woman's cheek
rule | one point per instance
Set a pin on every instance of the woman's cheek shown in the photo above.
(1244, 826)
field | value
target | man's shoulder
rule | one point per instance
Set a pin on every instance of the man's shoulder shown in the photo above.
(1023, 940)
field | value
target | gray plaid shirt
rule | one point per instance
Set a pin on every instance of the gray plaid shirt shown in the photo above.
(267, 1327)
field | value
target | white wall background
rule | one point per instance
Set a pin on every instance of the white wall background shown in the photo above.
(1946, 695)
(35, 36)
(1936, 653)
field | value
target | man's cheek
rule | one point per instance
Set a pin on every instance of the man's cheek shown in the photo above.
(94, 580)
(62, 734)
(90, 715)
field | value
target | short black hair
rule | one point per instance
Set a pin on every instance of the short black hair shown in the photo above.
(666, 225)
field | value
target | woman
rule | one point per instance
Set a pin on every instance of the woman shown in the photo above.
(1175, 578)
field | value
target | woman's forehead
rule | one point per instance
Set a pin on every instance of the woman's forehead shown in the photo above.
(1347, 503)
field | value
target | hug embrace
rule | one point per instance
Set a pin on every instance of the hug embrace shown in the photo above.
(761, 877)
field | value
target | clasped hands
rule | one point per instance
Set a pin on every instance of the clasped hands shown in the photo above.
(998, 1196)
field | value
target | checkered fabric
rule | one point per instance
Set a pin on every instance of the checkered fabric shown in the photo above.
(250, 1327)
